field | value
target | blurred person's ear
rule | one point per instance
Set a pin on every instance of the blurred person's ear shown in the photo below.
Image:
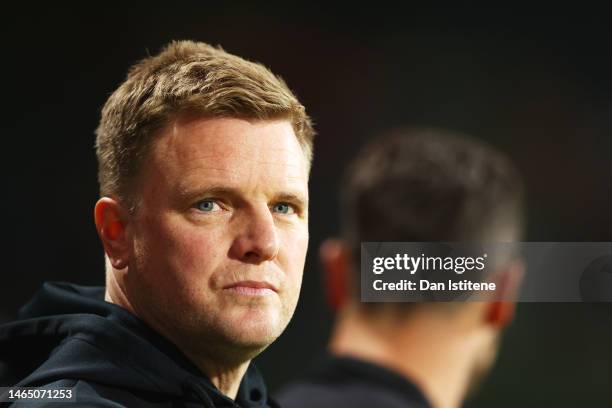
(508, 280)
(335, 258)
(111, 221)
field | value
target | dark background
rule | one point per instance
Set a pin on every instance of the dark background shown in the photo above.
(534, 82)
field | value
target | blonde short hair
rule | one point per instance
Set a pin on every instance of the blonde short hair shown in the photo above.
(186, 76)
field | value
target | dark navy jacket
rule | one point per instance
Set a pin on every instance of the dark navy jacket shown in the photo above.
(68, 336)
(342, 382)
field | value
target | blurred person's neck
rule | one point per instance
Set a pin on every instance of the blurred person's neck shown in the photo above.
(436, 353)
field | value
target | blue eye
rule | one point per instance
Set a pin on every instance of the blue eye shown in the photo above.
(206, 205)
(283, 208)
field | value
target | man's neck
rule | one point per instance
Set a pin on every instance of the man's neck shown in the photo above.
(439, 365)
(225, 376)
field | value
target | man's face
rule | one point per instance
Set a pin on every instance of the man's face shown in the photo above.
(221, 231)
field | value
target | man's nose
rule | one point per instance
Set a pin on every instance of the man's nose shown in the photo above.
(257, 239)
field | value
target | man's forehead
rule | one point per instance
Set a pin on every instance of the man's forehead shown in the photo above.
(230, 150)
(225, 169)
(249, 171)
(218, 137)
(205, 179)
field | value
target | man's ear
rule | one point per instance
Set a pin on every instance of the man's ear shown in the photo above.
(111, 223)
(335, 259)
(508, 280)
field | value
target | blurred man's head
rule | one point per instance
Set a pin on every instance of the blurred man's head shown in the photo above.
(204, 160)
(430, 185)
(426, 185)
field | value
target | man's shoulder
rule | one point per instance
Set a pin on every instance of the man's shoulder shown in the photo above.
(350, 382)
(77, 393)
(91, 378)
(84, 393)
(354, 395)
(87, 372)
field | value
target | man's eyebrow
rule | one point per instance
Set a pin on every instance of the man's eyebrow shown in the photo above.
(293, 197)
(192, 193)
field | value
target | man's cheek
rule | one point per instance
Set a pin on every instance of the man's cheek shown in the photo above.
(293, 255)
(296, 243)
(193, 251)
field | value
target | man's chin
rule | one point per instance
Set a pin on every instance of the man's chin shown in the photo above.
(255, 329)
(240, 331)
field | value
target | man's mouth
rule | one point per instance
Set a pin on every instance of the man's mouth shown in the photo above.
(252, 288)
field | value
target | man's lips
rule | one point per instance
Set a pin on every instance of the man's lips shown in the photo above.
(253, 288)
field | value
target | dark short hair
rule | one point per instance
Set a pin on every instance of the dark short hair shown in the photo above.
(428, 185)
